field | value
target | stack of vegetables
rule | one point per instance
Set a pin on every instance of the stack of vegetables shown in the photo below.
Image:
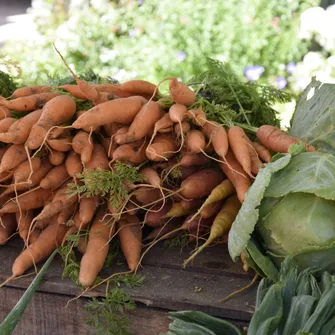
(97, 161)
(288, 211)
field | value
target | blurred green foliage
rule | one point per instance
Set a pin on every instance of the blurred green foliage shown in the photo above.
(153, 39)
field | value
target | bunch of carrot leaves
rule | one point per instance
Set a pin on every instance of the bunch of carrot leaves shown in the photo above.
(228, 99)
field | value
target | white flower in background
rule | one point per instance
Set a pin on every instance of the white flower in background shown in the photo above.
(312, 21)
(313, 60)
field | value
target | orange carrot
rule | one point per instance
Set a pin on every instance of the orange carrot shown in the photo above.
(181, 93)
(155, 218)
(55, 112)
(87, 207)
(57, 132)
(88, 129)
(133, 153)
(6, 123)
(201, 183)
(61, 144)
(182, 128)
(56, 157)
(114, 89)
(190, 159)
(195, 141)
(82, 244)
(111, 128)
(8, 226)
(163, 123)
(13, 156)
(24, 220)
(177, 113)
(142, 124)
(239, 144)
(147, 195)
(82, 144)
(66, 213)
(120, 110)
(96, 250)
(73, 164)
(55, 177)
(130, 236)
(99, 159)
(25, 169)
(29, 90)
(163, 147)
(88, 90)
(42, 224)
(19, 131)
(262, 152)
(235, 173)
(4, 112)
(277, 140)
(29, 103)
(74, 90)
(256, 163)
(60, 201)
(198, 116)
(139, 87)
(45, 244)
(109, 146)
(217, 137)
(34, 180)
(27, 201)
(151, 176)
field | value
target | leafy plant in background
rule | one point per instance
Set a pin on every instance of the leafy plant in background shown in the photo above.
(158, 38)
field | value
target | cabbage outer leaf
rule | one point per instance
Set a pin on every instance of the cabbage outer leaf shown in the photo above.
(309, 172)
(314, 118)
(246, 220)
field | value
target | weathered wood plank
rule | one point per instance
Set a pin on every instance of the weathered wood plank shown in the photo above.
(167, 285)
(164, 288)
(213, 260)
(47, 315)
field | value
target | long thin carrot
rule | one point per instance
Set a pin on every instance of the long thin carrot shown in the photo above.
(120, 110)
(96, 249)
(240, 145)
(221, 224)
(13, 156)
(24, 220)
(29, 90)
(8, 226)
(27, 201)
(263, 153)
(277, 140)
(45, 244)
(142, 124)
(19, 131)
(55, 112)
(29, 103)
(130, 236)
(217, 137)
(235, 173)
(201, 183)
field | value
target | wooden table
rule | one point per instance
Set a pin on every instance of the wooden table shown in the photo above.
(167, 286)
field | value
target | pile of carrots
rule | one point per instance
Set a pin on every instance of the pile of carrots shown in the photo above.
(195, 172)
